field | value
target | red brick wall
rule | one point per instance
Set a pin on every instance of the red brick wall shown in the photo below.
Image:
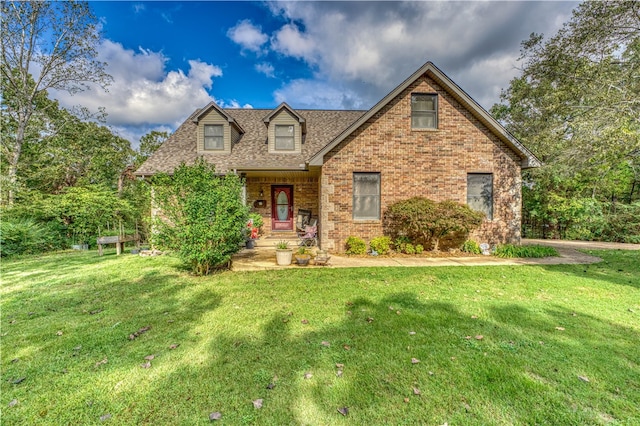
(429, 163)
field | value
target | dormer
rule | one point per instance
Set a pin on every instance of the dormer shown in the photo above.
(217, 130)
(285, 130)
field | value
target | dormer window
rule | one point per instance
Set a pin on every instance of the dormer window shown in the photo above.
(284, 138)
(213, 137)
(424, 111)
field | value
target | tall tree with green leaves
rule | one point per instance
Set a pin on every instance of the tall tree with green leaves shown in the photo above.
(149, 143)
(576, 104)
(44, 45)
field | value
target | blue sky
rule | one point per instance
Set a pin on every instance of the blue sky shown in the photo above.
(169, 58)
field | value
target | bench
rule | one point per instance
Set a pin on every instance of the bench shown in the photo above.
(117, 240)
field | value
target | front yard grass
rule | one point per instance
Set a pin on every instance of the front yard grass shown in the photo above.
(495, 345)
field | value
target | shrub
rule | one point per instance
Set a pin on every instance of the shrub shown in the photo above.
(410, 219)
(623, 224)
(419, 248)
(203, 216)
(470, 246)
(26, 236)
(510, 250)
(381, 244)
(425, 222)
(409, 248)
(452, 217)
(400, 242)
(355, 245)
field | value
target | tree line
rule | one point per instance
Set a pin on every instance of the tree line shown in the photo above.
(65, 176)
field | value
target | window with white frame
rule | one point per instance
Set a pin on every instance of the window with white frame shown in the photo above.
(366, 196)
(213, 137)
(480, 193)
(424, 111)
(284, 138)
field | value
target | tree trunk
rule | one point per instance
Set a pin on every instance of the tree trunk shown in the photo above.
(14, 158)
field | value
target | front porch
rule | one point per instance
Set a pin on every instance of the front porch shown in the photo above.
(278, 195)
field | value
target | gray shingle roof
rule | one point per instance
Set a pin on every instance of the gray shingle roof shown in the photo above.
(251, 152)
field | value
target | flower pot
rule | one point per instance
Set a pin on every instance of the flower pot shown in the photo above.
(303, 259)
(250, 243)
(284, 256)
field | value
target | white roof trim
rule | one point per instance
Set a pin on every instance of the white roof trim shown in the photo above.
(528, 159)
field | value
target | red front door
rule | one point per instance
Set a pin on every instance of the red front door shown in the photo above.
(282, 208)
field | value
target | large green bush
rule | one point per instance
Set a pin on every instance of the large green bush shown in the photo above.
(27, 236)
(426, 222)
(410, 220)
(203, 218)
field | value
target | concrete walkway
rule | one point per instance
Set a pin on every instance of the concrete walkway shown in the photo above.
(262, 258)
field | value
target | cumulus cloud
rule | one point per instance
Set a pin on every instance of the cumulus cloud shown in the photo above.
(265, 68)
(313, 94)
(289, 41)
(247, 35)
(143, 92)
(370, 47)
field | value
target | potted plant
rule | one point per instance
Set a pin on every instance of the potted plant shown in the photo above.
(253, 229)
(303, 256)
(283, 253)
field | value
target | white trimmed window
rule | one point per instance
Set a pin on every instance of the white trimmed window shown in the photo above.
(213, 137)
(424, 111)
(480, 193)
(284, 138)
(366, 196)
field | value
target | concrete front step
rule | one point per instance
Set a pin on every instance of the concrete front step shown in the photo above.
(272, 239)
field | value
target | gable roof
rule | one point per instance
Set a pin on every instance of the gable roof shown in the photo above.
(251, 151)
(285, 106)
(212, 105)
(528, 158)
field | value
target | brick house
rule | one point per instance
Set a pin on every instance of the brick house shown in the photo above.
(425, 138)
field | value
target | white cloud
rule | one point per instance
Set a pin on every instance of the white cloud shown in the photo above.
(265, 68)
(291, 42)
(367, 48)
(317, 94)
(231, 104)
(143, 92)
(138, 7)
(247, 35)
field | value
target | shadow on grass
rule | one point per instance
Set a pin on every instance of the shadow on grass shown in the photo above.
(620, 267)
(523, 370)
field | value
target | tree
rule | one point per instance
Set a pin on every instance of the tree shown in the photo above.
(149, 143)
(202, 216)
(44, 45)
(81, 153)
(577, 106)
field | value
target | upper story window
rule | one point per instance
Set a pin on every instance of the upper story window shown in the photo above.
(424, 111)
(480, 193)
(284, 138)
(213, 137)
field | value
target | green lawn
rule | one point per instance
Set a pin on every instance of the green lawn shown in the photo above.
(560, 344)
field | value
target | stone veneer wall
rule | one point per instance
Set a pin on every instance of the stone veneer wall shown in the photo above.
(305, 194)
(429, 163)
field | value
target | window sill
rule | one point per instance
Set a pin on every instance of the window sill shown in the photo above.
(367, 221)
(424, 130)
